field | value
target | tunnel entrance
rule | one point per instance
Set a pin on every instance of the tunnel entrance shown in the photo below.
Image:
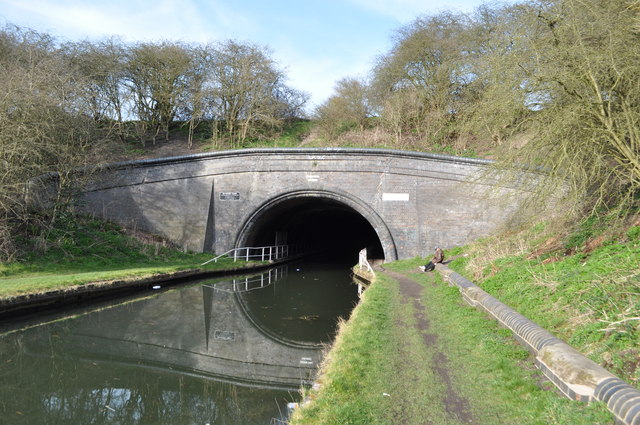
(321, 223)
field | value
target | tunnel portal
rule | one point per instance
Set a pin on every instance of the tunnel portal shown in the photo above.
(399, 203)
(316, 223)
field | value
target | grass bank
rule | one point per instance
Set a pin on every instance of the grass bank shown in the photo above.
(414, 353)
(83, 250)
(583, 286)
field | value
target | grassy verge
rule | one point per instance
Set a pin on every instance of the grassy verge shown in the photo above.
(584, 289)
(354, 371)
(391, 365)
(83, 250)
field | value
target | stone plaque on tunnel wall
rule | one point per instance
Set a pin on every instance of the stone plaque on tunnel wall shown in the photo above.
(229, 196)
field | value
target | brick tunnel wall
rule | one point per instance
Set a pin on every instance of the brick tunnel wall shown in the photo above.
(206, 202)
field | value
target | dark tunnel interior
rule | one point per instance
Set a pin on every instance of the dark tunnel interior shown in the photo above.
(319, 223)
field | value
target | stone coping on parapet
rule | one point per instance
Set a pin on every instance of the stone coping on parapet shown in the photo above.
(575, 375)
(302, 151)
(272, 151)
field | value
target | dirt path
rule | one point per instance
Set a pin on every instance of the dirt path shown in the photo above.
(456, 407)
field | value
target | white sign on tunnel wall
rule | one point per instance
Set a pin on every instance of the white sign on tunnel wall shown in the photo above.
(398, 197)
(229, 196)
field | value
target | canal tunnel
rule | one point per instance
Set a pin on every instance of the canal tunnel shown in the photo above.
(314, 222)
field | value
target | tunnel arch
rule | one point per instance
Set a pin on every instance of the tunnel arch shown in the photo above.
(310, 204)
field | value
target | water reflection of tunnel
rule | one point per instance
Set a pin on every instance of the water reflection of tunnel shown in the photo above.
(323, 223)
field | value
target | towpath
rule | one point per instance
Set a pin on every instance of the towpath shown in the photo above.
(455, 406)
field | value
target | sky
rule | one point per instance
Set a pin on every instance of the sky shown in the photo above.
(316, 42)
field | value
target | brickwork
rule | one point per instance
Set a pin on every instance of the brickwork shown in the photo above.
(209, 202)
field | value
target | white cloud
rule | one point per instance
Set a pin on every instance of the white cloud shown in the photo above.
(318, 74)
(400, 10)
(406, 10)
(133, 21)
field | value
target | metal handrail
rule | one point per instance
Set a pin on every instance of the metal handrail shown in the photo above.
(264, 253)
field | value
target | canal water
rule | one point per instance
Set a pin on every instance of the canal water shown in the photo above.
(232, 351)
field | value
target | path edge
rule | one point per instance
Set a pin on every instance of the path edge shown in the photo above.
(575, 375)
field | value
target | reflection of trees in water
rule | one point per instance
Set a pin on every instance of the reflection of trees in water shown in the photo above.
(154, 400)
(59, 388)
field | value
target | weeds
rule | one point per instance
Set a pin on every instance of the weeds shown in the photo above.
(581, 283)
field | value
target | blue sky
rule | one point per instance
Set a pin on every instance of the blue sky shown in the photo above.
(316, 42)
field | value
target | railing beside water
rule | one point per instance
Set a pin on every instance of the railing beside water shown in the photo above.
(260, 253)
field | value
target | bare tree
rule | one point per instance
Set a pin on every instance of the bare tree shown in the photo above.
(42, 125)
(429, 57)
(157, 79)
(499, 95)
(348, 108)
(239, 71)
(102, 66)
(247, 91)
(586, 85)
(58, 99)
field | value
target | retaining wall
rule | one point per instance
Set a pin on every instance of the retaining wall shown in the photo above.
(212, 202)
